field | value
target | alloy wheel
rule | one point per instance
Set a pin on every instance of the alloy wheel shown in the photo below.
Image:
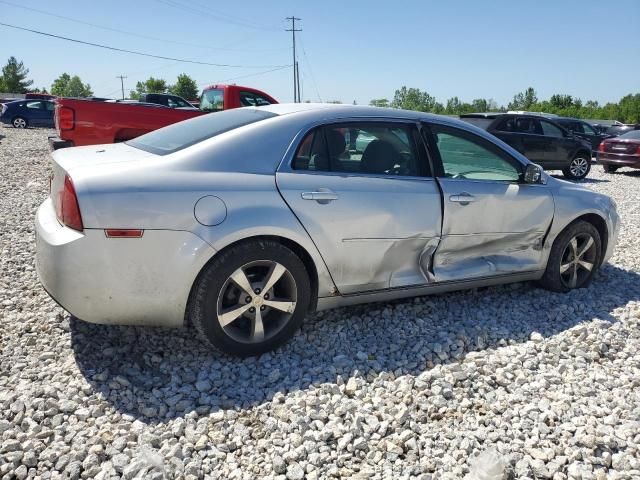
(579, 167)
(578, 259)
(256, 301)
(20, 123)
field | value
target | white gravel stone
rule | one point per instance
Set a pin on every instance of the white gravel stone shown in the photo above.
(417, 388)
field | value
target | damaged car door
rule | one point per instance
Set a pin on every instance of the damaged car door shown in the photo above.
(365, 194)
(494, 224)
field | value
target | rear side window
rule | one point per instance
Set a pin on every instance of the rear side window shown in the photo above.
(212, 100)
(184, 134)
(34, 105)
(550, 130)
(368, 147)
(250, 99)
(528, 125)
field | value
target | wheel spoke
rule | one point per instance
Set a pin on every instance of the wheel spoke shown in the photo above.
(283, 306)
(240, 279)
(586, 265)
(232, 315)
(574, 277)
(257, 327)
(275, 273)
(565, 267)
(574, 247)
(586, 248)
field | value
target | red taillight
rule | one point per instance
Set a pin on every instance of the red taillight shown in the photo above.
(67, 209)
(66, 118)
(601, 147)
(638, 150)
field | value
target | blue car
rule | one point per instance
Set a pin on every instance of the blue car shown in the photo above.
(28, 113)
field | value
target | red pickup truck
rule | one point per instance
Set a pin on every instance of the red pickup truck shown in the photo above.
(92, 122)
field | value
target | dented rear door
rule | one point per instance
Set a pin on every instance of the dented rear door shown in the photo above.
(493, 223)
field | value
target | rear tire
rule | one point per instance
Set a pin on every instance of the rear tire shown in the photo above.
(574, 259)
(578, 168)
(19, 122)
(609, 168)
(230, 307)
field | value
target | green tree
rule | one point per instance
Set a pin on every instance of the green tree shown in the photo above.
(150, 85)
(14, 77)
(415, 99)
(524, 100)
(630, 108)
(67, 86)
(185, 87)
(379, 102)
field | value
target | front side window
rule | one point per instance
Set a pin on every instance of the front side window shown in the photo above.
(177, 103)
(468, 157)
(212, 100)
(550, 130)
(50, 106)
(367, 147)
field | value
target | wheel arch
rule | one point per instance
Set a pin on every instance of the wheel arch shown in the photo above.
(600, 224)
(294, 246)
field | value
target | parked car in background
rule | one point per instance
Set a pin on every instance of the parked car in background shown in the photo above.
(539, 139)
(622, 128)
(225, 97)
(582, 129)
(168, 100)
(622, 151)
(28, 113)
(85, 122)
(244, 221)
(39, 96)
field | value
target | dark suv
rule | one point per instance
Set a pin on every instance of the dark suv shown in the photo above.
(539, 139)
(582, 129)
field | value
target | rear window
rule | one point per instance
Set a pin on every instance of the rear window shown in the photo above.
(480, 122)
(634, 134)
(212, 100)
(189, 132)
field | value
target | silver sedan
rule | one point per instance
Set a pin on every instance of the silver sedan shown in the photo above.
(242, 222)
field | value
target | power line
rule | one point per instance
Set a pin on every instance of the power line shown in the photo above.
(133, 52)
(220, 17)
(117, 30)
(296, 84)
(246, 76)
(313, 77)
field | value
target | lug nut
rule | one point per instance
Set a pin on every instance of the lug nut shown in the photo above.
(252, 310)
(262, 308)
(257, 290)
(266, 296)
(247, 300)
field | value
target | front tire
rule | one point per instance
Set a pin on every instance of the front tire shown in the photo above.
(251, 299)
(20, 122)
(578, 168)
(609, 168)
(574, 258)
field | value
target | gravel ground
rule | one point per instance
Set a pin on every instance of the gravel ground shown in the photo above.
(545, 384)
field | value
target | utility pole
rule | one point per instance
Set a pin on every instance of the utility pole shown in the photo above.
(122, 77)
(293, 30)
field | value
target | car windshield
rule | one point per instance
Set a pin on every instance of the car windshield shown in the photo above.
(480, 122)
(634, 134)
(189, 132)
(212, 100)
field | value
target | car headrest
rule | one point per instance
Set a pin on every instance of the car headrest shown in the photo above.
(336, 142)
(378, 157)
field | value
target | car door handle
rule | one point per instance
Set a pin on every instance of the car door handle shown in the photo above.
(463, 198)
(321, 196)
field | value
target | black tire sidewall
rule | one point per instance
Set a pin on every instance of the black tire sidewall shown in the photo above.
(203, 312)
(551, 279)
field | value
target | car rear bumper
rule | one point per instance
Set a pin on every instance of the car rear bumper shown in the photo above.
(619, 159)
(56, 143)
(126, 281)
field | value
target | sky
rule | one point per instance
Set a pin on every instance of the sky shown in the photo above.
(347, 51)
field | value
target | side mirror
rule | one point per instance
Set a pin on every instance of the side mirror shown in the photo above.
(533, 173)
